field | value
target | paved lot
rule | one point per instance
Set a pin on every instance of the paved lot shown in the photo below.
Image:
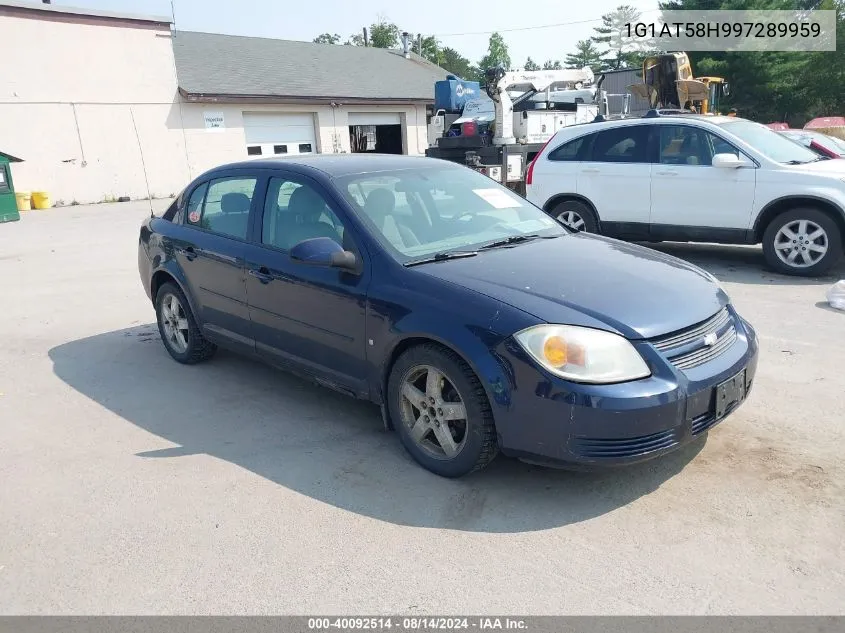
(133, 485)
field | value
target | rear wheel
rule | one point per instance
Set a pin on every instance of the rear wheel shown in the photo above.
(576, 215)
(805, 242)
(178, 328)
(441, 412)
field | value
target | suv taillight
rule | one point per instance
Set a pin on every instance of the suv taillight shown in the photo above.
(529, 174)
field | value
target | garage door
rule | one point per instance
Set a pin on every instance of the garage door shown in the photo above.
(269, 134)
(374, 118)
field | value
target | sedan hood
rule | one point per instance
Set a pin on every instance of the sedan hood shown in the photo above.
(589, 280)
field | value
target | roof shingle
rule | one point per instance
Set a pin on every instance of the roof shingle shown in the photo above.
(213, 64)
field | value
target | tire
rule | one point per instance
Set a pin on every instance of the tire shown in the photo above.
(575, 215)
(803, 249)
(196, 348)
(474, 436)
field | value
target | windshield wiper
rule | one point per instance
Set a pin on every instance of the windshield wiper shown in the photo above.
(804, 162)
(442, 257)
(517, 239)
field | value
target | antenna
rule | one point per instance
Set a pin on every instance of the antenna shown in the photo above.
(143, 163)
(173, 13)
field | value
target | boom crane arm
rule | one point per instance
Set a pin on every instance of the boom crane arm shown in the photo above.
(498, 83)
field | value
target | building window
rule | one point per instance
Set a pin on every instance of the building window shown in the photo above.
(254, 150)
(280, 149)
(305, 148)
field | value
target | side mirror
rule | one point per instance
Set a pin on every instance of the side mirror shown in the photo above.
(729, 161)
(323, 251)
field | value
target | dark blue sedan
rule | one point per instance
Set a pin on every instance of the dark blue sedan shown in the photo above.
(478, 323)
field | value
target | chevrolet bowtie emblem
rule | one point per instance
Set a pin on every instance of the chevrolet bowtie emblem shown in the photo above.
(710, 339)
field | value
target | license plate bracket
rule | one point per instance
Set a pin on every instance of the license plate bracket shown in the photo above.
(729, 394)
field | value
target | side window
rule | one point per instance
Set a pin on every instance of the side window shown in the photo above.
(295, 211)
(4, 178)
(225, 209)
(193, 209)
(721, 146)
(687, 145)
(624, 144)
(573, 150)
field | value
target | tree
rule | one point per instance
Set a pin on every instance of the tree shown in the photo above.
(384, 34)
(530, 64)
(497, 54)
(430, 49)
(552, 65)
(355, 40)
(622, 51)
(327, 38)
(586, 54)
(457, 64)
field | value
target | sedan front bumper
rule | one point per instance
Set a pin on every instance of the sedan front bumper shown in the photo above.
(553, 421)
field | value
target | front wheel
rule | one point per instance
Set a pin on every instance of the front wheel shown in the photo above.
(576, 215)
(441, 412)
(802, 242)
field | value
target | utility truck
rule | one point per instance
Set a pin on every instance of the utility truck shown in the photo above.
(500, 132)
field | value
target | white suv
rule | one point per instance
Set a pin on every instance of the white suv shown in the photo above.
(695, 178)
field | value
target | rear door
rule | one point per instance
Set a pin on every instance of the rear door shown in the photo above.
(212, 254)
(306, 317)
(616, 177)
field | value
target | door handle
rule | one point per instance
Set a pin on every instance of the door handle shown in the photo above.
(666, 173)
(189, 253)
(262, 274)
(589, 170)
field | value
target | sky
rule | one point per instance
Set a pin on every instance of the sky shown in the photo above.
(474, 20)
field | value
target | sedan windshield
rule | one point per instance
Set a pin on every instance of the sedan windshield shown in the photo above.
(769, 143)
(437, 211)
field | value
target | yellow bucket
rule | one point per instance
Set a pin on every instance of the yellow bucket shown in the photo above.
(41, 200)
(24, 200)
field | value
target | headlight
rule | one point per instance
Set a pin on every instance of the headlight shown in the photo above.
(583, 354)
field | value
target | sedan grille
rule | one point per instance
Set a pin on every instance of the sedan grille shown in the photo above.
(699, 344)
(629, 447)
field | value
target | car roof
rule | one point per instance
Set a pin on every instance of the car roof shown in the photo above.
(334, 165)
(665, 119)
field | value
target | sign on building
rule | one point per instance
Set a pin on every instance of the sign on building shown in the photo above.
(214, 121)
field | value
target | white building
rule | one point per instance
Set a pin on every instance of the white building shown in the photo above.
(102, 105)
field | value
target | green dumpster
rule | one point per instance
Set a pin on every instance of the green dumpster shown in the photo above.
(8, 202)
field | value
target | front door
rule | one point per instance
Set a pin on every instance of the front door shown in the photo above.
(691, 199)
(306, 317)
(615, 178)
(211, 252)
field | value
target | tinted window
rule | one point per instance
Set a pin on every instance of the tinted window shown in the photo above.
(687, 145)
(254, 150)
(295, 211)
(194, 209)
(225, 207)
(625, 144)
(573, 150)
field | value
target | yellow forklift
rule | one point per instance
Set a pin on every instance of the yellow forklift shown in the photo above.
(668, 83)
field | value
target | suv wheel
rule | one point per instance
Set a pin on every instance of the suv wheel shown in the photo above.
(576, 215)
(804, 242)
(441, 412)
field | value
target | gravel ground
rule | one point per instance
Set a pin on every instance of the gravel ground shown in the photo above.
(134, 485)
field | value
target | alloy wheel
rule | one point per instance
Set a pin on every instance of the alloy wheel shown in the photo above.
(801, 243)
(175, 324)
(572, 219)
(433, 411)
